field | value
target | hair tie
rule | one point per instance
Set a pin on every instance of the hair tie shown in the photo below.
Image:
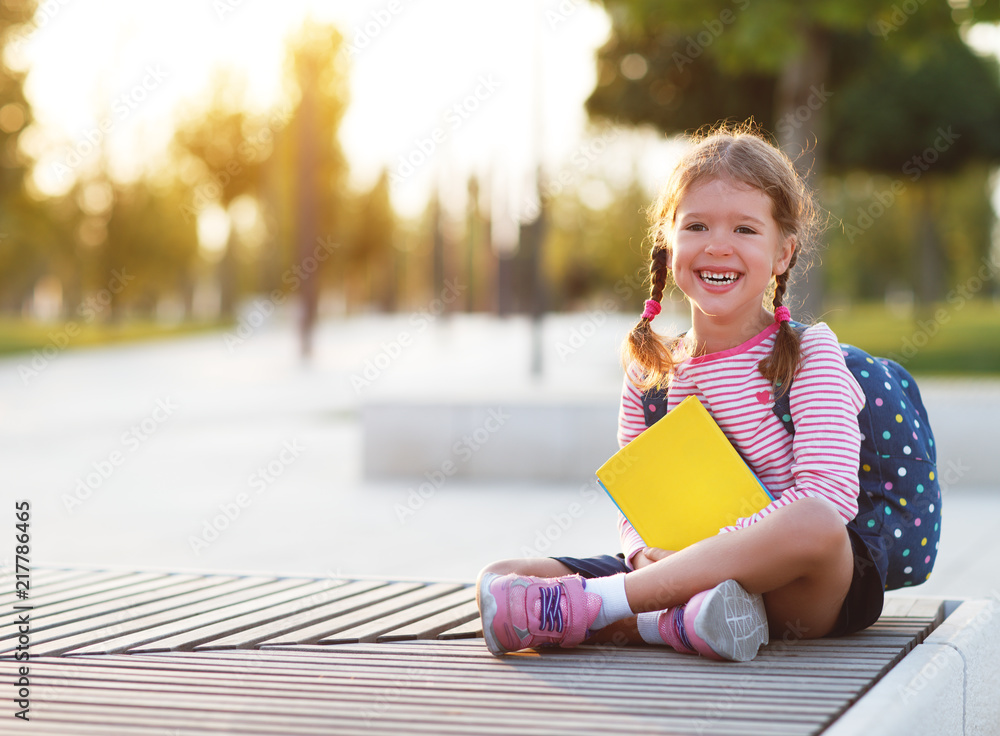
(781, 314)
(652, 309)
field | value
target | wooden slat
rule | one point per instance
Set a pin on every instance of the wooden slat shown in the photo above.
(40, 579)
(229, 606)
(62, 627)
(408, 594)
(346, 598)
(63, 639)
(67, 590)
(430, 627)
(530, 693)
(424, 704)
(433, 697)
(304, 598)
(154, 588)
(371, 630)
(480, 674)
(469, 629)
(45, 621)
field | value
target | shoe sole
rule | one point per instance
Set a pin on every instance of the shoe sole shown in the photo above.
(732, 622)
(487, 612)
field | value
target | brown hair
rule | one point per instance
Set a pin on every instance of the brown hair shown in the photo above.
(739, 153)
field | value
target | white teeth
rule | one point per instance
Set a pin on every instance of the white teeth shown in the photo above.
(719, 278)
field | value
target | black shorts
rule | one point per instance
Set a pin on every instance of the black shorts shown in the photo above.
(861, 608)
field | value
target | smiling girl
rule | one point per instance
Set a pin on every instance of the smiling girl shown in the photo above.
(728, 227)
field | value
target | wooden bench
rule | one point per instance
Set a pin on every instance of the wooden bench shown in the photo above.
(117, 653)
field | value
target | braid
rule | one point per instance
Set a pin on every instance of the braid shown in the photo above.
(780, 366)
(658, 271)
(651, 355)
(781, 280)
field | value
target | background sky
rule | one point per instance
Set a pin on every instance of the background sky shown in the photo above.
(502, 81)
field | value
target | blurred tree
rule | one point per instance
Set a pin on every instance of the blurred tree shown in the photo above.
(589, 251)
(151, 253)
(925, 120)
(222, 150)
(27, 237)
(318, 75)
(480, 260)
(373, 248)
(794, 67)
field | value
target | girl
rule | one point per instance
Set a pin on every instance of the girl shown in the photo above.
(729, 227)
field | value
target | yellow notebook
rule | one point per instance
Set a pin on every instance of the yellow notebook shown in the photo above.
(681, 480)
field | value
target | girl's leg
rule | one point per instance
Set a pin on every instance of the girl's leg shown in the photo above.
(541, 567)
(799, 558)
(620, 632)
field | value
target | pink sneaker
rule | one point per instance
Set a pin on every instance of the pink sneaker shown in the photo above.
(724, 623)
(520, 612)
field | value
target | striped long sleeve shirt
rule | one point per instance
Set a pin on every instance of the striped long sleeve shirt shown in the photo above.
(820, 460)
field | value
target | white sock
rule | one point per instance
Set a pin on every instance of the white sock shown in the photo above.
(614, 604)
(649, 627)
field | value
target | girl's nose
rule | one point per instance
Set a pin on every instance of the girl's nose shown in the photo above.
(719, 246)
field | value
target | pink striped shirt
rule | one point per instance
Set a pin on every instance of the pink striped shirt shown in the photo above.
(820, 460)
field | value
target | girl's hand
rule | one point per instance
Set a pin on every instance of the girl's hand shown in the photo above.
(648, 556)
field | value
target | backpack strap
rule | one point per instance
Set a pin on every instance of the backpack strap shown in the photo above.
(654, 405)
(782, 400)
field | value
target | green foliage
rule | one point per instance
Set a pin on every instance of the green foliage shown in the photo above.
(870, 250)
(21, 336)
(597, 252)
(886, 109)
(955, 338)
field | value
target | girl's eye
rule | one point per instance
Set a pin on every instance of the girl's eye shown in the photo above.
(743, 229)
(697, 226)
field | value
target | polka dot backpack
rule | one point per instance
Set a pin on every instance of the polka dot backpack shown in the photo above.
(900, 498)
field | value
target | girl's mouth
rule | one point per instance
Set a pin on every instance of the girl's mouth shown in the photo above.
(719, 278)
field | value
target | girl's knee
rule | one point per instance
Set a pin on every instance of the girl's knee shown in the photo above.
(535, 566)
(501, 567)
(819, 528)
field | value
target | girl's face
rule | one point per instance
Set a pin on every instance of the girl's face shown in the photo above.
(726, 246)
